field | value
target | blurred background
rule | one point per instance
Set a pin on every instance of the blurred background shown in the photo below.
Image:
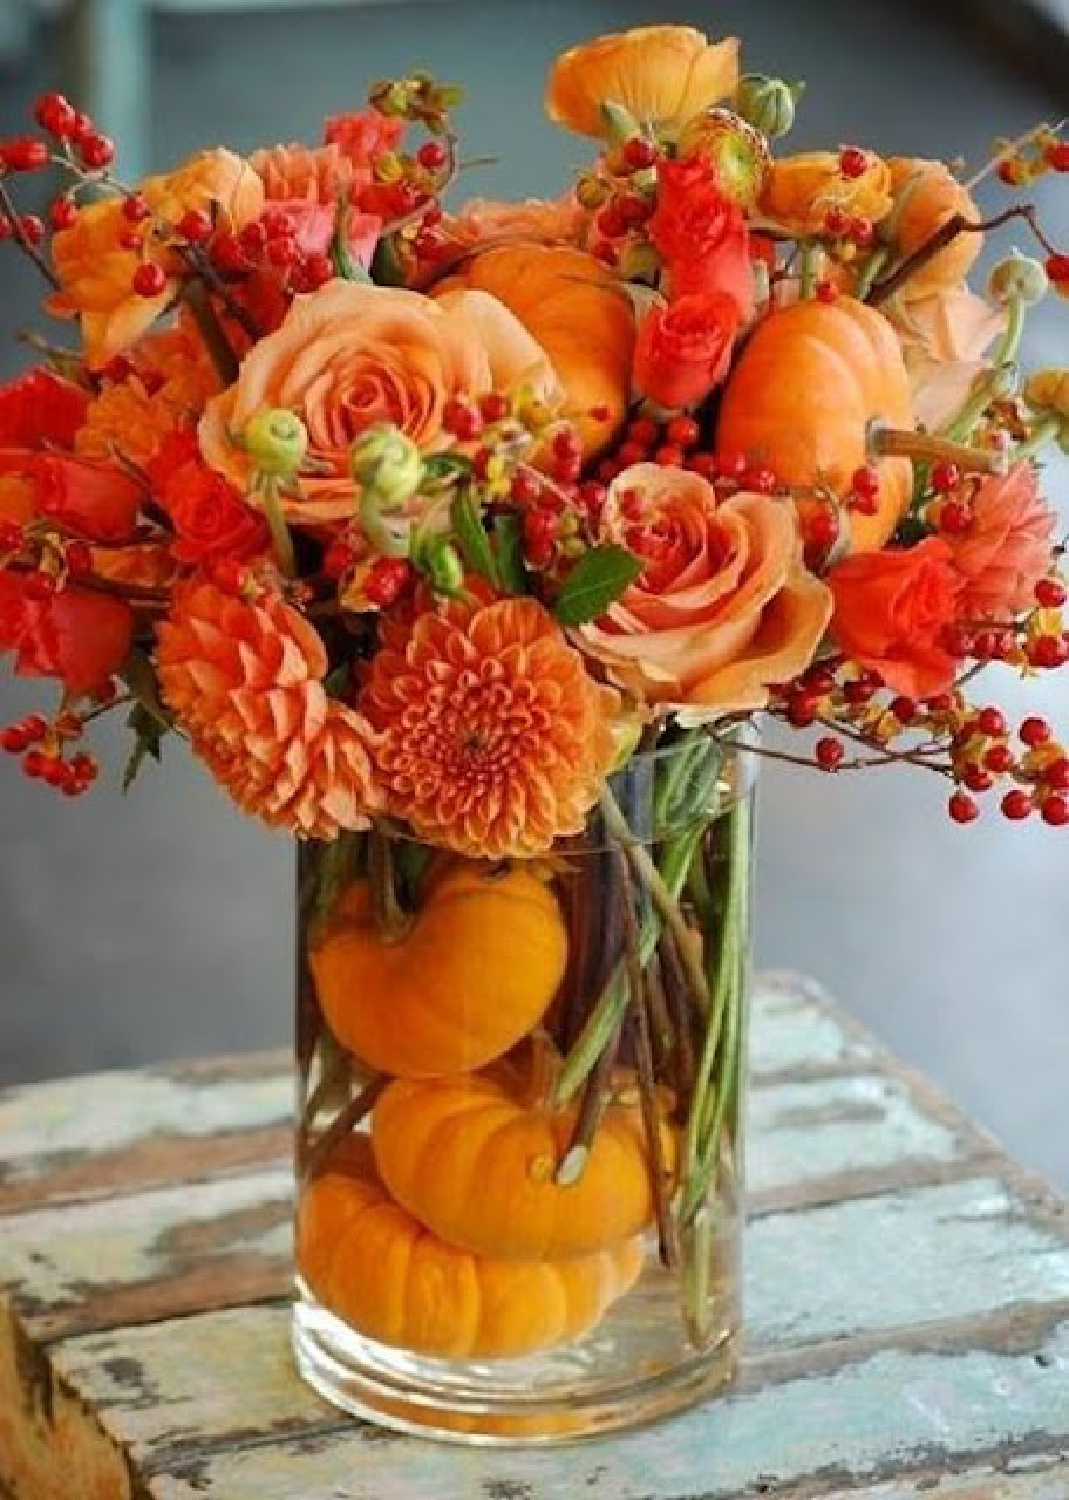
(159, 925)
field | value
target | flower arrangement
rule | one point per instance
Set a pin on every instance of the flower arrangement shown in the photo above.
(427, 522)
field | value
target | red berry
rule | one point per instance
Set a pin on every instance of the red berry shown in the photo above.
(34, 764)
(837, 222)
(962, 808)
(822, 529)
(338, 559)
(669, 456)
(55, 114)
(433, 155)
(1056, 775)
(634, 210)
(85, 767)
(96, 150)
(566, 445)
(540, 528)
(318, 270)
(632, 453)
(253, 237)
(195, 226)
(703, 464)
(132, 239)
(977, 779)
(1034, 731)
(1000, 759)
(990, 721)
(526, 487)
(763, 481)
(904, 709)
(24, 153)
(388, 580)
(853, 162)
(430, 244)
(1058, 156)
(1055, 810)
(1017, 805)
(865, 482)
(79, 558)
(945, 477)
(802, 711)
(862, 232)
(149, 279)
(643, 431)
(601, 412)
(939, 703)
(136, 208)
(283, 252)
(11, 740)
(827, 292)
(591, 496)
(1046, 652)
(494, 407)
(56, 772)
(62, 213)
(1050, 593)
(607, 255)
(829, 753)
(228, 256)
(1057, 267)
(462, 420)
(639, 154)
(683, 432)
(731, 464)
(33, 229)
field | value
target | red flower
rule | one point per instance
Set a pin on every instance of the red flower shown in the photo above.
(891, 609)
(39, 408)
(702, 235)
(208, 514)
(78, 636)
(684, 349)
(98, 501)
(364, 136)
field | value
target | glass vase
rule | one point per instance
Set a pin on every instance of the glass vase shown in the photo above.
(519, 1151)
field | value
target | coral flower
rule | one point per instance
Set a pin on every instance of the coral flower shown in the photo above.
(662, 75)
(481, 224)
(245, 680)
(1006, 548)
(724, 606)
(494, 738)
(350, 356)
(800, 191)
(96, 270)
(315, 185)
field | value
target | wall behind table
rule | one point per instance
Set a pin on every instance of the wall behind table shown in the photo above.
(159, 925)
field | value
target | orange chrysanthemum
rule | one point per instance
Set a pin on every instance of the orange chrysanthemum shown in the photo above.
(493, 737)
(245, 680)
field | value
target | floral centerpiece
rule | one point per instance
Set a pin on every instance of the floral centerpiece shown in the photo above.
(468, 546)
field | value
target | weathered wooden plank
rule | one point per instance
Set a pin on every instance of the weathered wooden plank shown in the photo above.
(1047, 1481)
(875, 1421)
(114, 1133)
(797, 1034)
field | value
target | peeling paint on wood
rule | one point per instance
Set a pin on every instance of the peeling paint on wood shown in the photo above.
(907, 1286)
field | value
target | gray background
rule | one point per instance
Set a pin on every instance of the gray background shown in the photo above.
(159, 925)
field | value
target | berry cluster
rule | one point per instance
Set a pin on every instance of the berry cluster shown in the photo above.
(41, 747)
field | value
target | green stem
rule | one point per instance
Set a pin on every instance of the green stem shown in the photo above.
(872, 268)
(808, 260)
(270, 494)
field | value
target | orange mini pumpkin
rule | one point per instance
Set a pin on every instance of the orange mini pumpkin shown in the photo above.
(806, 389)
(926, 195)
(580, 315)
(477, 1166)
(372, 1264)
(474, 973)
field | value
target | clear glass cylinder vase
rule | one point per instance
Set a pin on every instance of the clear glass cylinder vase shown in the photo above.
(521, 1083)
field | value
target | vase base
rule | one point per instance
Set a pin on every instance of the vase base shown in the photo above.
(472, 1404)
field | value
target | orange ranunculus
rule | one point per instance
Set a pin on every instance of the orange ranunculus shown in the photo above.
(724, 607)
(352, 355)
(1006, 548)
(578, 313)
(891, 611)
(800, 190)
(662, 75)
(96, 273)
(944, 337)
(927, 194)
(684, 349)
(481, 224)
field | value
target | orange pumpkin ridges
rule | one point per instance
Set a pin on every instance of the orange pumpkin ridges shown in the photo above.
(371, 1264)
(450, 995)
(477, 1166)
(574, 308)
(807, 387)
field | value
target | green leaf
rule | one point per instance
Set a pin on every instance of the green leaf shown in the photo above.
(598, 578)
(441, 466)
(140, 677)
(508, 550)
(471, 535)
(386, 267)
(336, 683)
(149, 731)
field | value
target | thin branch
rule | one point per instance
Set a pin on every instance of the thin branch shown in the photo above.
(22, 240)
(344, 1124)
(945, 235)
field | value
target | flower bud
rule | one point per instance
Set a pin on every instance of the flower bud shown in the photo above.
(1048, 391)
(1018, 278)
(386, 464)
(736, 152)
(768, 103)
(276, 440)
(592, 191)
(443, 566)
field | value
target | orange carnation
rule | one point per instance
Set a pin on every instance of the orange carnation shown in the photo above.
(662, 75)
(245, 680)
(799, 191)
(494, 740)
(96, 272)
(350, 356)
(1007, 546)
(724, 607)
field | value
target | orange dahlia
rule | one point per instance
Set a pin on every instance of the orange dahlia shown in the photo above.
(244, 679)
(493, 738)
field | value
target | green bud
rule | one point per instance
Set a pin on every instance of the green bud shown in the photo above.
(276, 440)
(768, 103)
(443, 566)
(391, 98)
(1018, 278)
(386, 465)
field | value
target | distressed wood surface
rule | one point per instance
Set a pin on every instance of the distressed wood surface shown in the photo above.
(907, 1303)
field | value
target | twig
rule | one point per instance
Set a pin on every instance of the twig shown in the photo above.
(588, 1117)
(21, 239)
(344, 1124)
(392, 922)
(675, 990)
(944, 235)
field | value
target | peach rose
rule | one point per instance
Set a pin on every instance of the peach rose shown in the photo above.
(662, 75)
(800, 190)
(1007, 547)
(724, 607)
(944, 337)
(352, 355)
(96, 273)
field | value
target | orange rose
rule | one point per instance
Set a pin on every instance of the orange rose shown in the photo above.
(352, 355)
(1007, 547)
(724, 607)
(891, 612)
(684, 348)
(800, 190)
(96, 273)
(662, 75)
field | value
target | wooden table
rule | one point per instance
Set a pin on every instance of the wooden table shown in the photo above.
(908, 1303)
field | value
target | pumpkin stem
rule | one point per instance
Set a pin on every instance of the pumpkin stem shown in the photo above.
(392, 922)
(896, 442)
